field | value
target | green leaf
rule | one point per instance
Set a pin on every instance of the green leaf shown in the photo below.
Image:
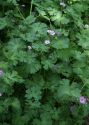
(83, 39)
(33, 67)
(55, 15)
(61, 43)
(11, 78)
(66, 90)
(42, 14)
(3, 23)
(29, 20)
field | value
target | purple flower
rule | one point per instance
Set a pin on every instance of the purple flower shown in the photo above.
(62, 4)
(1, 73)
(29, 47)
(23, 5)
(0, 94)
(86, 26)
(47, 42)
(51, 32)
(83, 100)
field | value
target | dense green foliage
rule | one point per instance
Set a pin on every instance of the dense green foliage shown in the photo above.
(44, 62)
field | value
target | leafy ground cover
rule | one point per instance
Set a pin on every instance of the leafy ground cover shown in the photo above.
(44, 62)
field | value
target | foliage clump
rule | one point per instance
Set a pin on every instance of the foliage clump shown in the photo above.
(44, 62)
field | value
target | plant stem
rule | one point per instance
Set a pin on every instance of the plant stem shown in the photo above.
(31, 7)
(20, 13)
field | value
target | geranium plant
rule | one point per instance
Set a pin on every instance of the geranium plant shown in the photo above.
(44, 62)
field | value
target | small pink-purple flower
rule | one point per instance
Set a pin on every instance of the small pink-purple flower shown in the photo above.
(1, 73)
(62, 4)
(47, 42)
(83, 100)
(51, 32)
(23, 5)
(29, 47)
(0, 94)
(86, 26)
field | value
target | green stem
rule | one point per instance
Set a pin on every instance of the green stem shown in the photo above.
(83, 86)
(50, 23)
(20, 13)
(31, 7)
